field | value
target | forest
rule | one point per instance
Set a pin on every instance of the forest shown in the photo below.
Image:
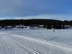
(47, 23)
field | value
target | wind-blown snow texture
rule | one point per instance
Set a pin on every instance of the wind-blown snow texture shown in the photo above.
(41, 41)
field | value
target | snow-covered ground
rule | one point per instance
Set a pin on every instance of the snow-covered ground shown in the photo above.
(41, 41)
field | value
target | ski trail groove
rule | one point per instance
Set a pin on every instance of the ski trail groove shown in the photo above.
(25, 47)
(48, 43)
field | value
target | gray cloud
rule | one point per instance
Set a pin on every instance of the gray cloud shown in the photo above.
(33, 7)
(9, 7)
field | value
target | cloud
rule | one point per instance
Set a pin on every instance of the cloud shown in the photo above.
(9, 7)
(22, 8)
(50, 16)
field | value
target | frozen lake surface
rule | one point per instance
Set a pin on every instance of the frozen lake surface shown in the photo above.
(22, 41)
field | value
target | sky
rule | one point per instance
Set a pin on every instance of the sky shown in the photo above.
(43, 9)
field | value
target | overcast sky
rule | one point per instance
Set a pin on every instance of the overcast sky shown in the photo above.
(59, 9)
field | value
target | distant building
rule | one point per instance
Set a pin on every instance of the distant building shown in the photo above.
(41, 26)
(19, 26)
(8, 27)
(67, 26)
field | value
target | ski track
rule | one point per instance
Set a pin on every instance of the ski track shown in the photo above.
(25, 47)
(63, 47)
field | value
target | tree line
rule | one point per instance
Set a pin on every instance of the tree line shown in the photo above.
(47, 23)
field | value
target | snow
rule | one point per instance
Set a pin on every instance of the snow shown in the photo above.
(41, 41)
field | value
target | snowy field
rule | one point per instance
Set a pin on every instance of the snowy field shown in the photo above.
(41, 41)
